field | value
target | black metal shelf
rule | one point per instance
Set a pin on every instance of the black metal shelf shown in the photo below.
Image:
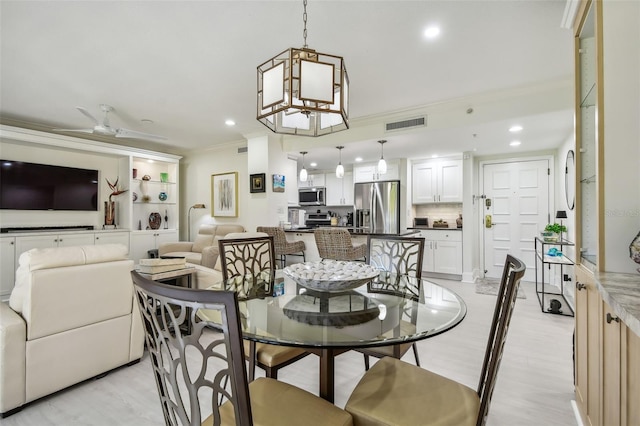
(554, 306)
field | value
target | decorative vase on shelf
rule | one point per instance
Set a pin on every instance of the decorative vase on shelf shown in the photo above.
(166, 220)
(109, 213)
(155, 220)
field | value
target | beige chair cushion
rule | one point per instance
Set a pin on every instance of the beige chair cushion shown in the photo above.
(278, 403)
(273, 355)
(393, 392)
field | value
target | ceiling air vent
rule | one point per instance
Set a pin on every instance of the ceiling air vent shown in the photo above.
(405, 124)
(242, 150)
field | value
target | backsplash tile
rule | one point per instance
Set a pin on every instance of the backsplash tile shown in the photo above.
(447, 212)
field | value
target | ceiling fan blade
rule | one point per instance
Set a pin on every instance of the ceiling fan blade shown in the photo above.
(89, 115)
(126, 133)
(75, 130)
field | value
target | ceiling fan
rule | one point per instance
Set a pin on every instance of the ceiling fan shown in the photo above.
(104, 128)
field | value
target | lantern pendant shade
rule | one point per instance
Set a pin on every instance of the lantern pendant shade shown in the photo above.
(303, 92)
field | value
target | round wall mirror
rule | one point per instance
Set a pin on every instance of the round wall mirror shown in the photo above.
(570, 179)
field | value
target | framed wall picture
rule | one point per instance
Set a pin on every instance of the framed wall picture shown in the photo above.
(256, 183)
(224, 194)
(278, 183)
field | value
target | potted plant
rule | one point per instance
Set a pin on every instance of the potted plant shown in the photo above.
(552, 232)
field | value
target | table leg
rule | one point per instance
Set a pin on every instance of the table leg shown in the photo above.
(327, 368)
(252, 360)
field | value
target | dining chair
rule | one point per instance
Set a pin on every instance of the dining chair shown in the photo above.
(399, 393)
(247, 263)
(282, 246)
(398, 258)
(336, 243)
(201, 377)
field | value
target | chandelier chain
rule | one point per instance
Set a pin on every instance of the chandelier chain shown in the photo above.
(304, 19)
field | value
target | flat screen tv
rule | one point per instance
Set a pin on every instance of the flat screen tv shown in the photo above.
(31, 186)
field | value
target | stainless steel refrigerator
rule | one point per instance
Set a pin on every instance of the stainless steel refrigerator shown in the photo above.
(378, 206)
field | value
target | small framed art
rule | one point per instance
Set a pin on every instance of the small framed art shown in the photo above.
(256, 183)
(278, 183)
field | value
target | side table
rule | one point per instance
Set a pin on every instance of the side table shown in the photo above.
(171, 277)
(553, 305)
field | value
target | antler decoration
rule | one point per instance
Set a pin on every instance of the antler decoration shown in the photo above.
(115, 190)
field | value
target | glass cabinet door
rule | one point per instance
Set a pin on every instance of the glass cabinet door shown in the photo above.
(587, 136)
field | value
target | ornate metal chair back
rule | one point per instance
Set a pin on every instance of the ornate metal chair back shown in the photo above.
(248, 265)
(194, 368)
(512, 274)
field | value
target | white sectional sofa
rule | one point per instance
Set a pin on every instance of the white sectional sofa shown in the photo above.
(71, 316)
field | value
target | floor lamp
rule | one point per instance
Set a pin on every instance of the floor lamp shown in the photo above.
(195, 206)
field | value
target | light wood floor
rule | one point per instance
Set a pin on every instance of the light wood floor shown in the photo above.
(535, 382)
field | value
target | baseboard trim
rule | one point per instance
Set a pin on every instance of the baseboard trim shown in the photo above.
(576, 412)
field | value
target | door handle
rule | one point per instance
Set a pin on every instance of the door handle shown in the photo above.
(487, 221)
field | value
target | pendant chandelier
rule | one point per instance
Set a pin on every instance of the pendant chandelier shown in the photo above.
(303, 92)
(382, 164)
(303, 172)
(340, 168)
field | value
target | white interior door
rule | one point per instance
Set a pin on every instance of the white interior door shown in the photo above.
(517, 201)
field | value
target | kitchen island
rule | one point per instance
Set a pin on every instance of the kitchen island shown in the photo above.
(358, 235)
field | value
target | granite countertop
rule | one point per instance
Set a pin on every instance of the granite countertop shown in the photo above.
(622, 293)
(354, 231)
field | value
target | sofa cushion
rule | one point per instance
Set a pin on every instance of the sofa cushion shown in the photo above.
(202, 241)
(57, 257)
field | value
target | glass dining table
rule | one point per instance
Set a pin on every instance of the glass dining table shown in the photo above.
(386, 311)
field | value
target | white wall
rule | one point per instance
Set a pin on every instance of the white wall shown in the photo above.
(196, 170)
(621, 37)
(264, 155)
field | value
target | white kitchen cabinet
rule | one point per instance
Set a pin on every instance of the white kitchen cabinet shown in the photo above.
(442, 251)
(8, 264)
(369, 172)
(339, 190)
(437, 181)
(143, 241)
(316, 179)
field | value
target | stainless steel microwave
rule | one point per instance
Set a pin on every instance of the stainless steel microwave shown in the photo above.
(314, 196)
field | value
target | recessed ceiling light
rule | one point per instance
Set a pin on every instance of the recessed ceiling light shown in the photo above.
(358, 159)
(515, 129)
(230, 122)
(434, 156)
(149, 161)
(515, 143)
(147, 121)
(314, 164)
(432, 32)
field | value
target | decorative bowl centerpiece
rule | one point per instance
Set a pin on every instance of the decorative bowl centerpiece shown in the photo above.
(331, 275)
